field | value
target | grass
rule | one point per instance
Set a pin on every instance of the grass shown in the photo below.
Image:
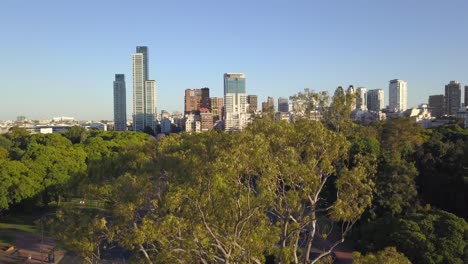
(6, 240)
(20, 227)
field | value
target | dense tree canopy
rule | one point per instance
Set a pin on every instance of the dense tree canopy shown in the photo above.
(274, 189)
(386, 256)
(431, 236)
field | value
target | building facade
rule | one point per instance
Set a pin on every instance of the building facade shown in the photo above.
(253, 103)
(205, 101)
(398, 95)
(375, 100)
(437, 105)
(192, 123)
(236, 108)
(351, 97)
(144, 98)
(217, 106)
(271, 103)
(283, 105)
(192, 100)
(120, 103)
(466, 96)
(150, 104)
(361, 98)
(452, 98)
(206, 119)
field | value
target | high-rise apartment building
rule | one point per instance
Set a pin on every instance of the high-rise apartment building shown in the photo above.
(466, 95)
(144, 92)
(271, 103)
(283, 105)
(361, 98)
(192, 100)
(205, 101)
(253, 103)
(217, 105)
(375, 100)
(398, 95)
(264, 107)
(150, 104)
(120, 103)
(437, 105)
(351, 98)
(206, 119)
(452, 98)
(236, 115)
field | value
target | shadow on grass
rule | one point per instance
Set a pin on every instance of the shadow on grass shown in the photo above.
(6, 240)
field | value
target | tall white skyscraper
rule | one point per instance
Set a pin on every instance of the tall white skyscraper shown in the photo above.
(361, 98)
(150, 104)
(398, 95)
(120, 103)
(236, 108)
(375, 100)
(144, 92)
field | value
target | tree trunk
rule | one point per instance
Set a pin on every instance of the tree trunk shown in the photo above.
(142, 249)
(310, 238)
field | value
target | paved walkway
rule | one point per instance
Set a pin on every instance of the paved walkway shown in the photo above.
(28, 248)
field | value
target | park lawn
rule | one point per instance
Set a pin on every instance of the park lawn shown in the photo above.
(21, 222)
(20, 227)
(6, 240)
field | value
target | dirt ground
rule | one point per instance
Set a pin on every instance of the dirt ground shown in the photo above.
(29, 248)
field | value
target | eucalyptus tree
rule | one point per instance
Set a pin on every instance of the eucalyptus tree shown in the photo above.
(302, 158)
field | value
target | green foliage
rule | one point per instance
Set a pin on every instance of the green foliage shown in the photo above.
(425, 237)
(55, 160)
(338, 114)
(311, 100)
(18, 182)
(76, 134)
(216, 211)
(268, 190)
(395, 183)
(302, 158)
(388, 255)
(111, 154)
(443, 162)
(82, 231)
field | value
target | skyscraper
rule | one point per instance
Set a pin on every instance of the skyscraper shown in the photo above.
(466, 96)
(144, 50)
(253, 103)
(205, 101)
(150, 104)
(271, 103)
(375, 100)
(397, 95)
(144, 98)
(361, 98)
(351, 98)
(235, 102)
(217, 105)
(437, 105)
(192, 100)
(120, 103)
(452, 97)
(283, 104)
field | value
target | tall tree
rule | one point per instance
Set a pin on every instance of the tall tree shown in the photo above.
(56, 160)
(428, 236)
(303, 157)
(396, 187)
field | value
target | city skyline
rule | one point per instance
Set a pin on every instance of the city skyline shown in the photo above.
(282, 48)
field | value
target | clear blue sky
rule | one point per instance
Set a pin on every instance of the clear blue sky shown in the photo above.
(58, 58)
